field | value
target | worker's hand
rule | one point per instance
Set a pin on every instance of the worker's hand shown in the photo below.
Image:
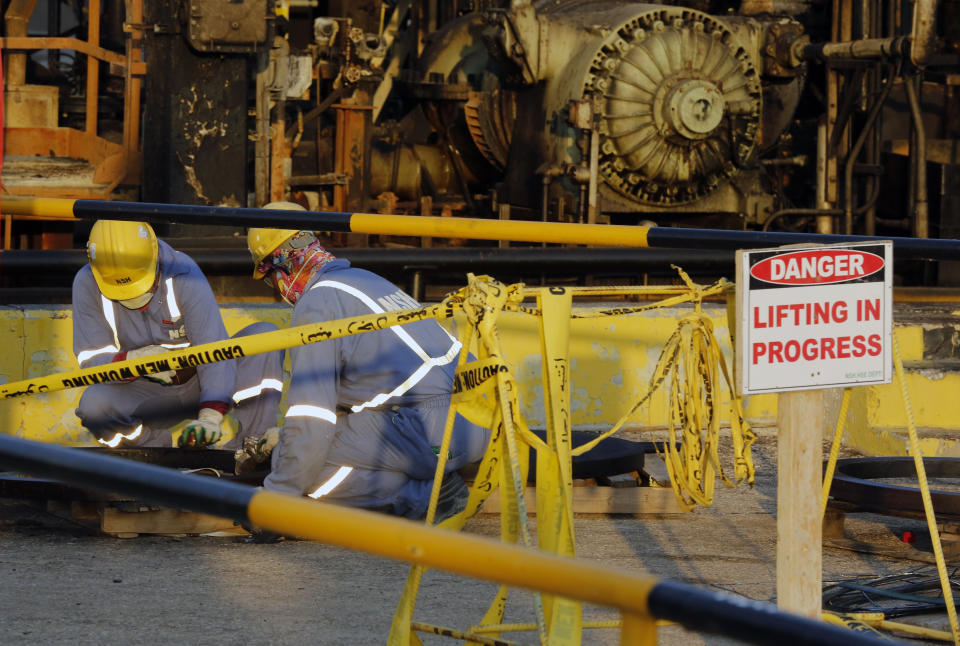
(266, 444)
(165, 377)
(255, 451)
(203, 431)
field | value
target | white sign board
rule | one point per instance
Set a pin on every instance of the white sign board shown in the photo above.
(814, 317)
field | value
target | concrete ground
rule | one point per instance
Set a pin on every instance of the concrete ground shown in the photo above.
(60, 584)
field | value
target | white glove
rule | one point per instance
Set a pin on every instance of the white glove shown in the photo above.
(165, 377)
(255, 451)
(266, 444)
(203, 431)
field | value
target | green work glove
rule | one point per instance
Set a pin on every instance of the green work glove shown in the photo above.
(203, 431)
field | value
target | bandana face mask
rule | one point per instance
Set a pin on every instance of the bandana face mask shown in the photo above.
(291, 266)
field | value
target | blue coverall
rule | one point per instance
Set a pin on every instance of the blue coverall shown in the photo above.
(183, 312)
(366, 412)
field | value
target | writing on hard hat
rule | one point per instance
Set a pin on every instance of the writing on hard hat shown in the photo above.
(123, 257)
(262, 241)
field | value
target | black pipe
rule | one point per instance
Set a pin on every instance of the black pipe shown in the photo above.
(858, 145)
(747, 620)
(915, 248)
(161, 485)
(912, 248)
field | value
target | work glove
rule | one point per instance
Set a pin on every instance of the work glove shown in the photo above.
(165, 377)
(255, 451)
(203, 431)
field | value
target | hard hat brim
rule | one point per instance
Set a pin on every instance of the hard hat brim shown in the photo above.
(128, 291)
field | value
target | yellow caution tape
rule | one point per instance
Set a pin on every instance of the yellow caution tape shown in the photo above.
(871, 621)
(691, 364)
(224, 350)
(945, 583)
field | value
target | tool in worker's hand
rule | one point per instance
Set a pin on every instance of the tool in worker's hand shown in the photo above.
(255, 451)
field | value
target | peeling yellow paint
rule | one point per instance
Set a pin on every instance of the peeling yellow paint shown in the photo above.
(910, 340)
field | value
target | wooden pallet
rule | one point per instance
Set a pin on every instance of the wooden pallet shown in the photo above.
(128, 520)
(624, 494)
(637, 501)
(616, 495)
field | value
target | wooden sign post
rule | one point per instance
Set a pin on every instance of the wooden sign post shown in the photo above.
(809, 318)
(800, 426)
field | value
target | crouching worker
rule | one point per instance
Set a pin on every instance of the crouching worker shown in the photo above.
(366, 412)
(138, 297)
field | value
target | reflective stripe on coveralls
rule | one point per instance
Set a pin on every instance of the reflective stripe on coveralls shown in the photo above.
(172, 300)
(174, 313)
(254, 391)
(110, 317)
(331, 483)
(306, 410)
(107, 306)
(418, 374)
(119, 437)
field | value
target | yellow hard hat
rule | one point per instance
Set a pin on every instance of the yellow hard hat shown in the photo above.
(263, 242)
(123, 257)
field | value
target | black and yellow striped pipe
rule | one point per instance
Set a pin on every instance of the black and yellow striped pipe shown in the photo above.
(468, 555)
(474, 228)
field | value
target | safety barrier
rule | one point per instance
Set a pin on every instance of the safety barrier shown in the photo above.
(485, 392)
(640, 600)
(473, 228)
(558, 619)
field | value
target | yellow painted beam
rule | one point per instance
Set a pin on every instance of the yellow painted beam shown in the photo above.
(517, 230)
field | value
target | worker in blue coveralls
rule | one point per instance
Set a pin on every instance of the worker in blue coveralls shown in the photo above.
(366, 412)
(138, 297)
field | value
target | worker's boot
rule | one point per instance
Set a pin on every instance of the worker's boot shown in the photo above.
(453, 497)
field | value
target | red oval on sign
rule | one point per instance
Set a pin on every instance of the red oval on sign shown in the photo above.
(817, 267)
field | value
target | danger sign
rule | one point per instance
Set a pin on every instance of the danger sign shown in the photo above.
(814, 317)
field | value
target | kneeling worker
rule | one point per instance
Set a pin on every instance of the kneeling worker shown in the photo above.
(366, 412)
(139, 297)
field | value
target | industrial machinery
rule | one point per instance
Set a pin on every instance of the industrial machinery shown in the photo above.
(799, 115)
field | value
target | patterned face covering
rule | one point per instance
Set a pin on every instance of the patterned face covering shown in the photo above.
(291, 266)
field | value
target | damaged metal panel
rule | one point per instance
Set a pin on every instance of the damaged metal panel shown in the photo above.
(228, 25)
(195, 120)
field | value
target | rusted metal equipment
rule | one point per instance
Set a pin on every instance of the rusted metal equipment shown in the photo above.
(856, 483)
(774, 115)
(32, 125)
(860, 485)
